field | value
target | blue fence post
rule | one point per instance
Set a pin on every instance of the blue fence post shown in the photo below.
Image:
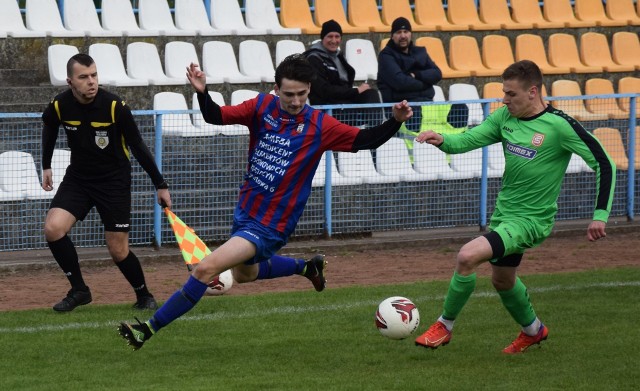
(157, 211)
(328, 230)
(484, 181)
(631, 179)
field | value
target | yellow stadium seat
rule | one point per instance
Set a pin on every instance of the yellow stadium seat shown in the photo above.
(594, 51)
(464, 55)
(593, 11)
(364, 13)
(528, 11)
(561, 11)
(574, 108)
(563, 52)
(393, 9)
(493, 90)
(497, 52)
(629, 85)
(435, 49)
(531, 47)
(609, 106)
(497, 12)
(333, 9)
(430, 14)
(625, 48)
(463, 12)
(611, 141)
(296, 13)
(623, 10)
(383, 42)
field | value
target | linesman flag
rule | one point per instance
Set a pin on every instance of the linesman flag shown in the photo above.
(192, 247)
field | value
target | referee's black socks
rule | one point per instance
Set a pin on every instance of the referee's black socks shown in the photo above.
(132, 271)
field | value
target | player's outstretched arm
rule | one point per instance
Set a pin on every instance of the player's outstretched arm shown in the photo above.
(196, 77)
(430, 137)
(596, 230)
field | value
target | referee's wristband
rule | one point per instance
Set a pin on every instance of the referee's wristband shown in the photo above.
(162, 185)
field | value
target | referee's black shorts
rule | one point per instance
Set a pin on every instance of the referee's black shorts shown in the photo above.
(112, 200)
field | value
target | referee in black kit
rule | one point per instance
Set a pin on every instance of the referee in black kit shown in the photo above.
(100, 132)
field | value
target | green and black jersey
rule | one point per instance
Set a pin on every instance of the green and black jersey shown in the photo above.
(537, 151)
(99, 136)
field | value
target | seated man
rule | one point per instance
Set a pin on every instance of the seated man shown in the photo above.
(334, 79)
(405, 71)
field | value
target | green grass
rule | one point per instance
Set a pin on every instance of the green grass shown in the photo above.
(328, 341)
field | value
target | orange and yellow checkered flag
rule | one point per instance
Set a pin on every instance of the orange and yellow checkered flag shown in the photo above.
(192, 247)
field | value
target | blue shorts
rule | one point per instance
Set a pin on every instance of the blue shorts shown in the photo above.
(267, 240)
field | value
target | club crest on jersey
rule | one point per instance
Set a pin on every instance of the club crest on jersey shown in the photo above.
(300, 128)
(102, 139)
(537, 139)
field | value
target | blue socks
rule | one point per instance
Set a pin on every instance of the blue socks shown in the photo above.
(181, 302)
(278, 266)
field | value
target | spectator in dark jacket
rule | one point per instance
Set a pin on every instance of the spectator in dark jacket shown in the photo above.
(334, 79)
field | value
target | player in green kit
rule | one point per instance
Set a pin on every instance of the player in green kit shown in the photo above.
(538, 141)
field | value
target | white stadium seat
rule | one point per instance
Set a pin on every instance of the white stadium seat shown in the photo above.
(360, 165)
(111, 67)
(261, 14)
(463, 91)
(199, 122)
(143, 63)
(287, 47)
(178, 56)
(226, 15)
(156, 15)
(337, 179)
(239, 96)
(18, 174)
(117, 15)
(255, 60)
(174, 124)
(471, 162)
(57, 57)
(430, 160)
(44, 15)
(81, 15)
(59, 163)
(392, 158)
(192, 15)
(362, 56)
(219, 59)
(11, 23)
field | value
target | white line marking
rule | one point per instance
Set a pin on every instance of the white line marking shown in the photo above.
(222, 315)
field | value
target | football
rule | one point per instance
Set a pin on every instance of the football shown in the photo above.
(220, 284)
(397, 317)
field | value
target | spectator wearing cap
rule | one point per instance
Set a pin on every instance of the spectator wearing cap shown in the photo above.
(334, 81)
(405, 71)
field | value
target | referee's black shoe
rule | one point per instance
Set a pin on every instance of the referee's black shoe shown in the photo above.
(74, 298)
(314, 271)
(147, 302)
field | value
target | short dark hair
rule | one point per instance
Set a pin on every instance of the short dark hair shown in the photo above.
(80, 58)
(526, 71)
(294, 67)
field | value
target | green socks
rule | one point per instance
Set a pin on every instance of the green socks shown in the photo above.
(460, 289)
(516, 301)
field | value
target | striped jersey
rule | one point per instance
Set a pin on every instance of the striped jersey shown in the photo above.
(284, 152)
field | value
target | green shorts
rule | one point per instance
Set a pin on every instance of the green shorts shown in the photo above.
(519, 234)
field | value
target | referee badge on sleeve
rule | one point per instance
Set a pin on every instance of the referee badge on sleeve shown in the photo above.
(102, 139)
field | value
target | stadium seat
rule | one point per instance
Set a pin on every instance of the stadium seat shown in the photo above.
(611, 141)
(333, 9)
(609, 106)
(430, 16)
(337, 179)
(360, 165)
(595, 51)
(59, 163)
(464, 12)
(464, 91)
(576, 107)
(577, 165)
(261, 14)
(219, 59)
(593, 11)
(464, 54)
(227, 15)
(209, 129)
(531, 47)
(497, 12)
(143, 63)
(57, 57)
(435, 49)
(364, 13)
(43, 15)
(393, 9)
(174, 124)
(361, 54)
(254, 59)
(241, 95)
(439, 95)
(117, 15)
(156, 15)
(178, 56)
(496, 158)
(497, 52)
(111, 67)
(392, 159)
(493, 90)
(81, 15)
(471, 163)
(629, 85)
(563, 52)
(625, 48)
(296, 13)
(19, 176)
(622, 10)
(287, 47)
(431, 161)
(528, 11)
(11, 23)
(192, 15)
(561, 11)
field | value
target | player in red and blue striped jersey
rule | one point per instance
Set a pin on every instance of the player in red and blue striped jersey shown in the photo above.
(287, 140)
